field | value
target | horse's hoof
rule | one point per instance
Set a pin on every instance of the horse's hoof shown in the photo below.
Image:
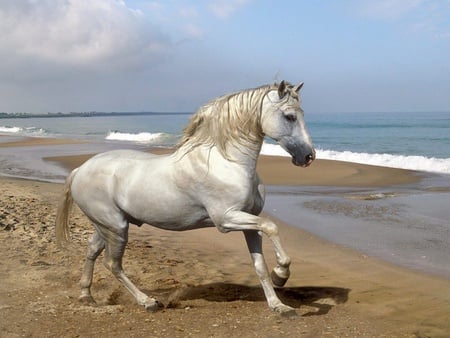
(285, 310)
(289, 314)
(87, 300)
(277, 280)
(154, 306)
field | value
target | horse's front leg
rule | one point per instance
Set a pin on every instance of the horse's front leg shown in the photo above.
(239, 220)
(254, 243)
(280, 273)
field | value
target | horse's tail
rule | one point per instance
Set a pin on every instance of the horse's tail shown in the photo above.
(62, 215)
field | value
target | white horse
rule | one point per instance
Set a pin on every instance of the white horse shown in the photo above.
(210, 180)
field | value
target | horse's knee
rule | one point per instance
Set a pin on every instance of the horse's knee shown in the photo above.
(270, 228)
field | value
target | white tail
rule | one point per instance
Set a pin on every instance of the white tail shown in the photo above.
(62, 215)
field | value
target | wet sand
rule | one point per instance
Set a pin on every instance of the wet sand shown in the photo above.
(34, 141)
(337, 291)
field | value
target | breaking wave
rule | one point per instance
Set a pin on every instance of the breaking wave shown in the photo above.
(8, 130)
(420, 163)
(26, 131)
(143, 137)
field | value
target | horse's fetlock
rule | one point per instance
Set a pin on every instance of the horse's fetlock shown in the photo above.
(153, 305)
(285, 262)
(282, 272)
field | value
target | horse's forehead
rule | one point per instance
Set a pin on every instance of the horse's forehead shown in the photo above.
(294, 97)
(292, 100)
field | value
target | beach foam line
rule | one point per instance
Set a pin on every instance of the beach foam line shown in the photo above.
(25, 131)
(10, 130)
(419, 163)
(143, 137)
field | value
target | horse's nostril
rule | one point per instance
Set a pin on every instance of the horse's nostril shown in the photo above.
(309, 158)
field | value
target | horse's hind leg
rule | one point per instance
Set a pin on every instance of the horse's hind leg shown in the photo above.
(115, 247)
(96, 245)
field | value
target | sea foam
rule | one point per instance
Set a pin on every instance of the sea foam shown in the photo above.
(25, 131)
(420, 163)
(7, 129)
(143, 137)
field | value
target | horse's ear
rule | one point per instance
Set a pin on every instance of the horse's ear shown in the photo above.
(298, 87)
(281, 89)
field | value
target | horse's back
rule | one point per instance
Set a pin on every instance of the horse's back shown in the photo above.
(121, 154)
(102, 178)
(105, 165)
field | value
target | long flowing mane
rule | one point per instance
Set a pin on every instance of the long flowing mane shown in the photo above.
(229, 119)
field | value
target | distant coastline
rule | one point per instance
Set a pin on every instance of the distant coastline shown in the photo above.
(82, 114)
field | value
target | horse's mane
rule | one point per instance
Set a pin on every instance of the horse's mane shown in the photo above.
(229, 119)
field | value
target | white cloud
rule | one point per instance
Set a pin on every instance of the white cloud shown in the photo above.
(225, 8)
(78, 33)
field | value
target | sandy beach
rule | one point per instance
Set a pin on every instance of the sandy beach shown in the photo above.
(205, 278)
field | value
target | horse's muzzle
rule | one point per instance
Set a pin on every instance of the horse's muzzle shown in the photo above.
(306, 161)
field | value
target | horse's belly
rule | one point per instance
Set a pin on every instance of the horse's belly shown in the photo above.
(202, 223)
(164, 207)
(177, 219)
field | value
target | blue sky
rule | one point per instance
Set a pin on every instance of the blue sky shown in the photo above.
(174, 55)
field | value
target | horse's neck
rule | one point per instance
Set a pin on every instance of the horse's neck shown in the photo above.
(244, 156)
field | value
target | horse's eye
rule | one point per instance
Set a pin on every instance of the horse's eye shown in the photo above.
(291, 117)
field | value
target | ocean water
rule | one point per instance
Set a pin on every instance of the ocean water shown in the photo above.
(417, 141)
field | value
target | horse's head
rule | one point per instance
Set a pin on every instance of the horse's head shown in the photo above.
(282, 120)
